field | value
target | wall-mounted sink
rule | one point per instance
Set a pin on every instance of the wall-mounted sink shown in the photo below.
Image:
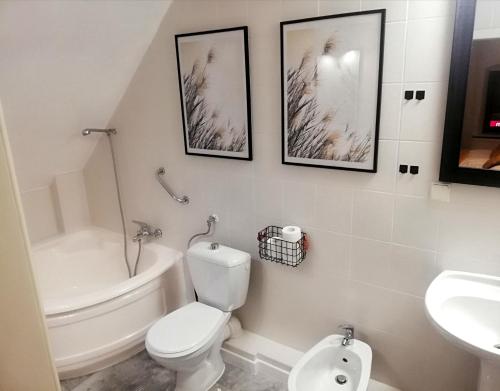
(329, 366)
(465, 308)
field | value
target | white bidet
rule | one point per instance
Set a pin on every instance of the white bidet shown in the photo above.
(330, 366)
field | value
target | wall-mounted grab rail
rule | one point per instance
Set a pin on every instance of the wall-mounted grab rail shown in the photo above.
(181, 200)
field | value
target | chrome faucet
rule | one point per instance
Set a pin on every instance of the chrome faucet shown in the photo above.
(146, 232)
(348, 334)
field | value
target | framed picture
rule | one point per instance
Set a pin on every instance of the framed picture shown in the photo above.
(214, 86)
(331, 75)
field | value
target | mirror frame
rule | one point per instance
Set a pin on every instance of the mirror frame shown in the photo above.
(455, 106)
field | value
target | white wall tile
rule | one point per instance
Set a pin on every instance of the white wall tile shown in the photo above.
(447, 261)
(73, 204)
(484, 14)
(372, 215)
(329, 252)
(40, 213)
(269, 198)
(395, 9)
(473, 196)
(242, 197)
(426, 156)
(370, 261)
(466, 230)
(394, 46)
(298, 203)
(384, 178)
(265, 79)
(423, 120)
(381, 309)
(390, 111)
(496, 15)
(428, 48)
(404, 269)
(412, 270)
(416, 222)
(392, 362)
(459, 374)
(430, 8)
(334, 208)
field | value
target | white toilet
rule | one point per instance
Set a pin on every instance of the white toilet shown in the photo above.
(189, 339)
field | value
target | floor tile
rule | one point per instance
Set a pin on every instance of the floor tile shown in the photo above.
(141, 373)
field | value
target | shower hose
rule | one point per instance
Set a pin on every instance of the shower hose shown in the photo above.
(120, 206)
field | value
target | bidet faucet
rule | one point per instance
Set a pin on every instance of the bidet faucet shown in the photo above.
(348, 334)
(146, 232)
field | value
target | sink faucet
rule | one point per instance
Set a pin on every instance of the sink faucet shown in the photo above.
(146, 232)
(348, 334)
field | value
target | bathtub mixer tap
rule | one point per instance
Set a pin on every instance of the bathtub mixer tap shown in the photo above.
(146, 232)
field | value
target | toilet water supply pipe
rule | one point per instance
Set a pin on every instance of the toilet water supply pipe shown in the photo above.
(212, 219)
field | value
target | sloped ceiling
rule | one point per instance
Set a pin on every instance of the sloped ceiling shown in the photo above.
(64, 66)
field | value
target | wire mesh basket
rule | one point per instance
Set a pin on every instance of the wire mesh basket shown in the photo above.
(273, 248)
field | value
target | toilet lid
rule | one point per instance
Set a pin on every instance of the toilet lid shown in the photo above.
(185, 330)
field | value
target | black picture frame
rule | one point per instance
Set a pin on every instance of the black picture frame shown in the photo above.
(382, 13)
(178, 38)
(450, 171)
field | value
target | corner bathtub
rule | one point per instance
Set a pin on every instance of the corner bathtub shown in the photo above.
(97, 316)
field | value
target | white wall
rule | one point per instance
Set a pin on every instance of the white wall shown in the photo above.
(72, 201)
(64, 66)
(61, 207)
(41, 212)
(23, 335)
(377, 240)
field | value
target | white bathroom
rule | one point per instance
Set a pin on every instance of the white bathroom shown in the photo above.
(249, 195)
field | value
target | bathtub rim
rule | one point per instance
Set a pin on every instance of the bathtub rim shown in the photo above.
(167, 257)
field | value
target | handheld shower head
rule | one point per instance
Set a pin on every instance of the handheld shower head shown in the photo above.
(109, 132)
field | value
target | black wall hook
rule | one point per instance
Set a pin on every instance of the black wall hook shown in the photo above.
(409, 95)
(420, 95)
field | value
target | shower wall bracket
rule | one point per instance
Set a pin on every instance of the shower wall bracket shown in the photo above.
(159, 177)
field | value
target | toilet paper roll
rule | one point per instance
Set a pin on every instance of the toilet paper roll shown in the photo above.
(291, 233)
(273, 246)
(278, 249)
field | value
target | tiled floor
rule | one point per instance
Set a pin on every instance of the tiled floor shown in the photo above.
(140, 373)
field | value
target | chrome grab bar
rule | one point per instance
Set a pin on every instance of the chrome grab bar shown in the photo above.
(159, 173)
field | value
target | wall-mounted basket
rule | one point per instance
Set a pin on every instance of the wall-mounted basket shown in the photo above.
(273, 248)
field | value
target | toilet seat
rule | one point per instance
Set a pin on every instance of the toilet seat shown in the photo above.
(185, 330)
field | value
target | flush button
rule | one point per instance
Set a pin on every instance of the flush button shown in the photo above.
(214, 246)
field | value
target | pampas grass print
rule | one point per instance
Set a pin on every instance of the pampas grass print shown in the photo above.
(309, 130)
(204, 128)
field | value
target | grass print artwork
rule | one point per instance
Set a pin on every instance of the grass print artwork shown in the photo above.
(331, 87)
(214, 91)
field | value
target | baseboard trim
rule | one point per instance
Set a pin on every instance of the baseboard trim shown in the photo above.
(259, 355)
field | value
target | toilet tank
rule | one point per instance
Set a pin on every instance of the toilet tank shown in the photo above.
(220, 275)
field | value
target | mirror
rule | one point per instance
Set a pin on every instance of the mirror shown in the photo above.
(471, 144)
